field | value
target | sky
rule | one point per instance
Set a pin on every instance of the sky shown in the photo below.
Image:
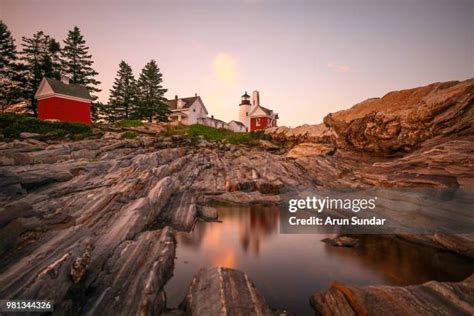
(307, 58)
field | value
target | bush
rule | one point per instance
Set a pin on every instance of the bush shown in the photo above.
(129, 123)
(11, 125)
(129, 135)
(214, 134)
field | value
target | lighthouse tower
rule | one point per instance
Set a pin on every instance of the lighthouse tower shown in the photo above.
(244, 110)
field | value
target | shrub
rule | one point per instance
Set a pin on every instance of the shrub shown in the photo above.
(129, 123)
(11, 125)
(129, 135)
(213, 134)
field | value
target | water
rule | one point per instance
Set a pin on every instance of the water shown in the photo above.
(288, 269)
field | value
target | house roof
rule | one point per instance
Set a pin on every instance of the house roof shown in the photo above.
(72, 90)
(173, 103)
(237, 122)
(177, 113)
(267, 112)
(212, 119)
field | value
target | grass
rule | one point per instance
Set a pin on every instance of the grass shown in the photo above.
(129, 123)
(197, 131)
(12, 125)
(129, 135)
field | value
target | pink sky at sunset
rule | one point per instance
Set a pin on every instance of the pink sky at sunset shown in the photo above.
(307, 58)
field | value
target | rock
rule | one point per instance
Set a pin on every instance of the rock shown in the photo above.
(431, 298)
(17, 210)
(36, 177)
(147, 141)
(402, 120)
(79, 266)
(310, 150)
(342, 241)
(10, 183)
(147, 128)
(399, 122)
(208, 213)
(26, 135)
(182, 211)
(265, 144)
(245, 198)
(205, 144)
(214, 290)
(305, 133)
(121, 290)
(267, 187)
(111, 136)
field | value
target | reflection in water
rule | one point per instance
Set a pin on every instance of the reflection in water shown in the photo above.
(287, 269)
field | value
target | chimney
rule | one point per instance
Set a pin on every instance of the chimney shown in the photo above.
(65, 79)
(195, 94)
(255, 98)
(212, 116)
(176, 97)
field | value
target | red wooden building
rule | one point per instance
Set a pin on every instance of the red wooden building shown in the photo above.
(261, 118)
(60, 100)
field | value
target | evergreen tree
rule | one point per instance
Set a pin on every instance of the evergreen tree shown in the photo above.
(99, 111)
(77, 63)
(152, 104)
(10, 85)
(123, 95)
(40, 56)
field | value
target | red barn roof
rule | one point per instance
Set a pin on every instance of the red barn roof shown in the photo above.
(56, 88)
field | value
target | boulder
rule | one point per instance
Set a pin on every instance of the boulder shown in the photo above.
(342, 241)
(26, 135)
(431, 298)
(208, 213)
(310, 150)
(402, 120)
(265, 144)
(134, 276)
(111, 136)
(318, 133)
(223, 291)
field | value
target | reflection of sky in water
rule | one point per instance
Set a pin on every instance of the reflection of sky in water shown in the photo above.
(287, 269)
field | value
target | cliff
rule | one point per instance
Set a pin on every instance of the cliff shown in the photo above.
(398, 122)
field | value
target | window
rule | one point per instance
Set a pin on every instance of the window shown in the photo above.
(247, 113)
(194, 110)
(257, 121)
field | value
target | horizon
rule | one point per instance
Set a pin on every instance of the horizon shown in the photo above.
(325, 57)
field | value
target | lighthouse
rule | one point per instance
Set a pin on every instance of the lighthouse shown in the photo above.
(253, 115)
(244, 109)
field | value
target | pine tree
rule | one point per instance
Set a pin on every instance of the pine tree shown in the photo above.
(99, 111)
(152, 104)
(10, 85)
(123, 95)
(77, 63)
(40, 57)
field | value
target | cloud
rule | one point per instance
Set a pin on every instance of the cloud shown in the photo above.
(224, 68)
(338, 67)
(221, 86)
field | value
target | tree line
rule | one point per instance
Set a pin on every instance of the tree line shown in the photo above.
(42, 56)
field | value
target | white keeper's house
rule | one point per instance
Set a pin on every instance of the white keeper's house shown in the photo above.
(187, 111)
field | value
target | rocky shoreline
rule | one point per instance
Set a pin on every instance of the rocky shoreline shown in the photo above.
(90, 224)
